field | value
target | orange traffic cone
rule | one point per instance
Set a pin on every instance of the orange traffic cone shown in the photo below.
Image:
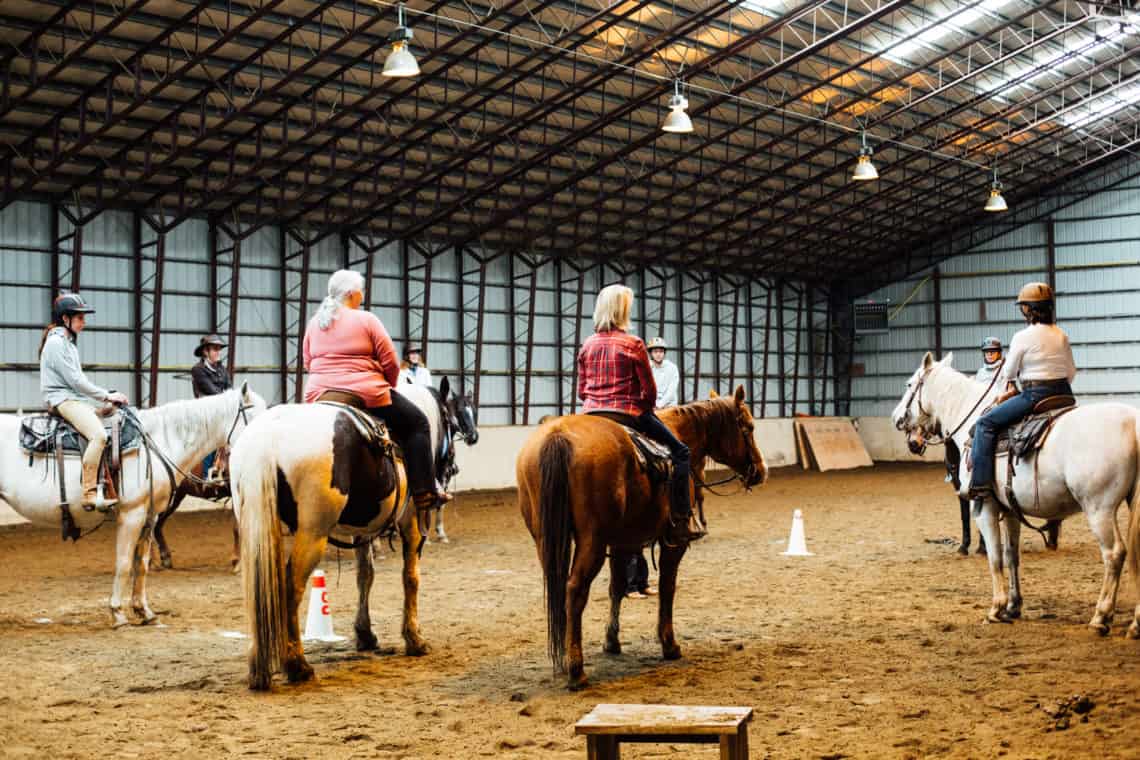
(318, 623)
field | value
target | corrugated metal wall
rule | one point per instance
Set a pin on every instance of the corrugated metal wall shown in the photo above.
(504, 327)
(1094, 246)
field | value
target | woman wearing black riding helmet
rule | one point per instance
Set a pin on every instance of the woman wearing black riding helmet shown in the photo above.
(67, 391)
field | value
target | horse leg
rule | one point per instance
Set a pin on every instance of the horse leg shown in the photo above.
(1052, 534)
(1102, 522)
(307, 552)
(235, 552)
(131, 524)
(140, 568)
(589, 557)
(668, 562)
(365, 638)
(618, 582)
(440, 533)
(964, 508)
(991, 532)
(414, 644)
(165, 560)
(1013, 562)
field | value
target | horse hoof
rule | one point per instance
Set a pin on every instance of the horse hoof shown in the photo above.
(146, 617)
(418, 649)
(1100, 629)
(1133, 631)
(998, 617)
(167, 563)
(444, 540)
(612, 647)
(671, 653)
(577, 684)
(964, 550)
(299, 672)
(260, 681)
(367, 643)
(1013, 614)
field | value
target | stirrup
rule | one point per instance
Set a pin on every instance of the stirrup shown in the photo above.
(99, 502)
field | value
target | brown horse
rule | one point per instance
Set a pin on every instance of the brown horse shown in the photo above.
(579, 481)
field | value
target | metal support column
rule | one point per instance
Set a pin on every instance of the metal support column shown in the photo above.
(530, 344)
(136, 308)
(1051, 259)
(937, 280)
(809, 291)
(299, 367)
(780, 345)
(796, 351)
(235, 279)
(212, 255)
(283, 315)
(767, 342)
(156, 316)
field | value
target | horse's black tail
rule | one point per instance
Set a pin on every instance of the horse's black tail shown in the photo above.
(557, 529)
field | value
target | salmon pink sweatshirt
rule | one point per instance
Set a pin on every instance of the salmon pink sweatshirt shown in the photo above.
(354, 354)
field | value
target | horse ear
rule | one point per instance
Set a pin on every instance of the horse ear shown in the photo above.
(713, 394)
(245, 390)
(444, 388)
(948, 360)
(738, 396)
(928, 360)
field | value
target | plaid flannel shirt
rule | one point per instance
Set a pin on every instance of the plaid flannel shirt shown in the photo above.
(614, 374)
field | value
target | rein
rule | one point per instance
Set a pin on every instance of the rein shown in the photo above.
(916, 393)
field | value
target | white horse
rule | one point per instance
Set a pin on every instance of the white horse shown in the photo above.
(1090, 462)
(450, 416)
(316, 470)
(184, 432)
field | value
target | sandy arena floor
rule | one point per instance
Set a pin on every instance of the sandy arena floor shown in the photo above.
(873, 648)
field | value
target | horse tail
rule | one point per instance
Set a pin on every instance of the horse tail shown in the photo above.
(556, 526)
(262, 561)
(1133, 546)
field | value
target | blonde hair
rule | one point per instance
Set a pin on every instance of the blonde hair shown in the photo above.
(341, 284)
(611, 310)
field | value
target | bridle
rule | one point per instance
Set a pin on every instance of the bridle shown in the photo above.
(749, 473)
(915, 394)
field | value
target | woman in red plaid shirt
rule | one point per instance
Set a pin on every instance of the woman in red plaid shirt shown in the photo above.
(614, 377)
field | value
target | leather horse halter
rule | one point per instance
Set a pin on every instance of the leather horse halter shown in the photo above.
(916, 395)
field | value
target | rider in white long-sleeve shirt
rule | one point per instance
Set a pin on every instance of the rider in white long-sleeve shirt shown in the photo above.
(665, 374)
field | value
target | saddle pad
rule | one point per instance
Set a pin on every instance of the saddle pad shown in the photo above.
(1025, 437)
(38, 434)
(374, 430)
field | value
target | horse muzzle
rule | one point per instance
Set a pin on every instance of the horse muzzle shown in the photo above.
(916, 444)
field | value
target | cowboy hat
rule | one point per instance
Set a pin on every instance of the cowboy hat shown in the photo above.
(208, 340)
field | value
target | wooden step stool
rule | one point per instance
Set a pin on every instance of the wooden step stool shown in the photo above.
(607, 726)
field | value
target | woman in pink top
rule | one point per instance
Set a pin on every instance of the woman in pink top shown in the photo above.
(346, 349)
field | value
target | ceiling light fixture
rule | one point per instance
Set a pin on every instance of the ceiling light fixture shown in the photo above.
(678, 121)
(996, 202)
(400, 62)
(864, 169)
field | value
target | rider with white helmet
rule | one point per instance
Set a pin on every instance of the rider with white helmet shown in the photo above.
(1040, 360)
(665, 374)
(991, 360)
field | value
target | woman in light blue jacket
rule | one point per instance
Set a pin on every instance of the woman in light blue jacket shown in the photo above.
(67, 391)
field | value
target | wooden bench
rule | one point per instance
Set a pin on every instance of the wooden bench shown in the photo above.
(607, 726)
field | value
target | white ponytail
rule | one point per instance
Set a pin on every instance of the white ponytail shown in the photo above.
(341, 284)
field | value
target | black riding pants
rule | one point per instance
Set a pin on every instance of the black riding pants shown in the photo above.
(409, 428)
(649, 424)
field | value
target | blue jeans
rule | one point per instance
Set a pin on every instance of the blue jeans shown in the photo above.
(999, 418)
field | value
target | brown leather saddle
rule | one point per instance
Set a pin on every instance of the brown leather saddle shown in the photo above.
(652, 457)
(1023, 438)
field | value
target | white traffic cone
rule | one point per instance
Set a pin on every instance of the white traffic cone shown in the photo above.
(318, 622)
(797, 545)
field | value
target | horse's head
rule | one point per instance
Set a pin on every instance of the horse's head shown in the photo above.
(460, 413)
(249, 405)
(739, 451)
(912, 415)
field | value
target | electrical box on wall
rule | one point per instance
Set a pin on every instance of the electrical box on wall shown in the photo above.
(871, 317)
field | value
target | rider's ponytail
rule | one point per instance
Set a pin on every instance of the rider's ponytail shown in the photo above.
(341, 284)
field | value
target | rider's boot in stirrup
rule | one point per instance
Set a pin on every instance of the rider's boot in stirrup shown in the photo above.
(684, 525)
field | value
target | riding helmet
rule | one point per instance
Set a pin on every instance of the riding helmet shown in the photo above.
(1035, 292)
(67, 304)
(991, 344)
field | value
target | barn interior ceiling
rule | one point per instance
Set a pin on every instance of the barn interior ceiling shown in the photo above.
(535, 125)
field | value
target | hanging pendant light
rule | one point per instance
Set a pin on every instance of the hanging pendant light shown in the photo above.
(864, 169)
(677, 121)
(400, 62)
(996, 202)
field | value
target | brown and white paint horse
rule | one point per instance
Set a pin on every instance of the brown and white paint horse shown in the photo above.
(311, 468)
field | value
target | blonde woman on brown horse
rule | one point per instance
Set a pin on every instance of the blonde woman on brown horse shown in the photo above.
(583, 489)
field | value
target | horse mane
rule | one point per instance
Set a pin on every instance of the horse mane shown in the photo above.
(185, 420)
(711, 415)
